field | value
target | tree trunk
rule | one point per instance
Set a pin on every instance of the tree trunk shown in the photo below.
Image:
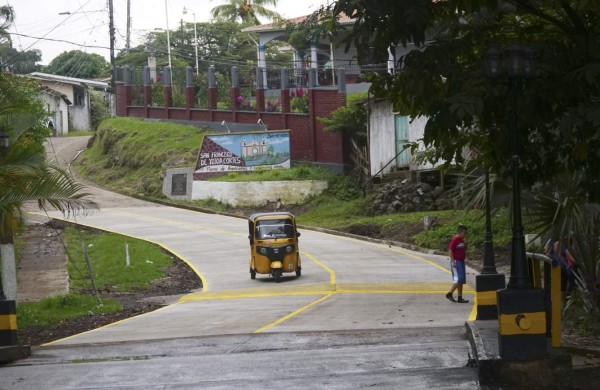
(9, 271)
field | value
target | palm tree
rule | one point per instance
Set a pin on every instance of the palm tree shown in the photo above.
(7, 17)
(25, 175)
(246, 11)
(562, 209)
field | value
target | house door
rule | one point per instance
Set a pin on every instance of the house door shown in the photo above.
(401, 126)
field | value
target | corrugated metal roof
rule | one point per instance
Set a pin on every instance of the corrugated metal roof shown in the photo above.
(69, 80)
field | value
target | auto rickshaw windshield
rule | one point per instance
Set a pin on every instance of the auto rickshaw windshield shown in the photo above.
(274, 228)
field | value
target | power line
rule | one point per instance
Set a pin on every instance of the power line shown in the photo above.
(61, 40)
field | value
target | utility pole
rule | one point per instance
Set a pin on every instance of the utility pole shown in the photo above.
(111, 28)
(128, 39)
(168, 35)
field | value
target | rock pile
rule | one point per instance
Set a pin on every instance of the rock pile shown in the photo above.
(404, 196)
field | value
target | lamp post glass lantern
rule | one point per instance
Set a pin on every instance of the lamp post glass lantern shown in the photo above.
(517, 63)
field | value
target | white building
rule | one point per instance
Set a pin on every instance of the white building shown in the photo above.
(77, 92)
(57, 104)
(389, 134)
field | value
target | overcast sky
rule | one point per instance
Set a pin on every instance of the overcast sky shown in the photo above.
(40, 26)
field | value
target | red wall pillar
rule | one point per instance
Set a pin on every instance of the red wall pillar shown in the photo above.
(123, 98)
(260, 100)
(212, 98)
(190, 97)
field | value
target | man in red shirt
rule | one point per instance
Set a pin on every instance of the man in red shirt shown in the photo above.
(458, 254)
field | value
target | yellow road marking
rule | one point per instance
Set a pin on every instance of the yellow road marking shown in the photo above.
(332, 278)
(306, 290)
(322, 289)
(292, 314)
(473, 314)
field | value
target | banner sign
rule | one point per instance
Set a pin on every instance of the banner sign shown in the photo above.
(235, 152)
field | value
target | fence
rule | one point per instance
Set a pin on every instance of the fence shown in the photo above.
(214, 99)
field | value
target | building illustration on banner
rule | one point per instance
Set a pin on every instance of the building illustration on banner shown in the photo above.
(223, 153)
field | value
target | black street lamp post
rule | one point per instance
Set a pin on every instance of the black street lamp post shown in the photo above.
(521, 308)
(519, 66)
(489, 263)
(4, 144)
(489, 281)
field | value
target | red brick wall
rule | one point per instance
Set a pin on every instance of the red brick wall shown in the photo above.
(308, 141)
(328, 145)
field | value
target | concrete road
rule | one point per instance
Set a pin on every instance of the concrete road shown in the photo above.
(362, 314)
(345, 284)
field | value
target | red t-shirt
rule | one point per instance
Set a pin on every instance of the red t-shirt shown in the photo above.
(458, 248)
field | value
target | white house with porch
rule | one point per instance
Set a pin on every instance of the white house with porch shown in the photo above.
(326, 55)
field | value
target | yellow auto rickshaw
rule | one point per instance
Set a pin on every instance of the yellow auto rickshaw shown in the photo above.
(273, 244)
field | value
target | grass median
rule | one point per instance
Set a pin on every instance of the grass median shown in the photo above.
(117, 263)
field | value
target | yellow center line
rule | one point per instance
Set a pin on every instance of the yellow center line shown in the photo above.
(323, 289)
(332, 278)
(294, 313)
(364, 289)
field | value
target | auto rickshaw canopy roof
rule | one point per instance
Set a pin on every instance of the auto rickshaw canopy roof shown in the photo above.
(273, 215)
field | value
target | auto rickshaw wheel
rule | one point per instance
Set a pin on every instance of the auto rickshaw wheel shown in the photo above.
(252, 274)
(277, 275)
(298, 271)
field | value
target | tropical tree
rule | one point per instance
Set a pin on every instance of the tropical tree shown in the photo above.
(558, 111)
(25, 175)
(221, 44)
(79, 64)
(246, 11)
(20, 62)
(7, 17)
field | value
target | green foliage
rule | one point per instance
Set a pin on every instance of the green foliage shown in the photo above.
(21, 110)
(245, 11)
(299, 101)
(20, 62)
(76, 63)
(338, 206)
(557, 110)
(311, 29)
(302, 172)
(50, 312)
(107, 254)
(350, 119)
(439, 238)
(130, 155)
(100, 109)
